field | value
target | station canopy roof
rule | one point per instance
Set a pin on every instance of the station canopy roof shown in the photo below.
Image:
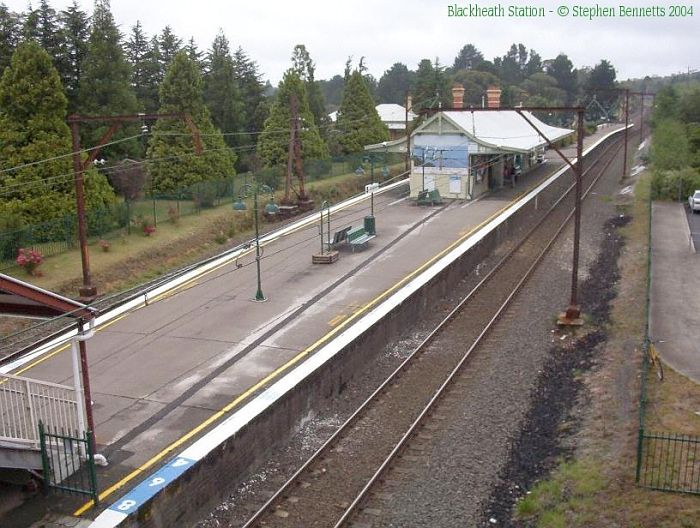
(19, 298)
(502, 130)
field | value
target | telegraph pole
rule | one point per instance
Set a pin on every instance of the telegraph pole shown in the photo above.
(88, 291)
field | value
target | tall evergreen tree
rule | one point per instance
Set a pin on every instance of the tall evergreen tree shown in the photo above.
(30, 24)
(169, 45)
(221, 91)
(75, 31)
(601, 83)
(358, 121)
(10, 32)
(33, 128)
(138, 54)
(468, 58)
(431, 86)
(252, 92)
(394, 84)
(194, 54)
(171, 148)
(305, 68)
(49, 37)
(562, 69)
(105, 87)
(274, 141)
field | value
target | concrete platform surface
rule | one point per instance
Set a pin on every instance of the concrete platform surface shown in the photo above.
(159, 372)
(675, 283)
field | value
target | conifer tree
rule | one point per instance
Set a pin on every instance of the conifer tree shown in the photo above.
(169, 45)
(358, 121)
(221, 91)
(273, 144)
(10, 31)
(305, 68)
(138, 54)
(75, 31)
(33, 128)
(252, 92)
(171, 149)
(105, 87)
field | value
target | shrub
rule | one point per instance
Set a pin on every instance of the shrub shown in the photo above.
(30, 260)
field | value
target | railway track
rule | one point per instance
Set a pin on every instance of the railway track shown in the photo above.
(331, 485)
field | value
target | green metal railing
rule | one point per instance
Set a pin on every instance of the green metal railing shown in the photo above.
(665, 461)
(68, 462)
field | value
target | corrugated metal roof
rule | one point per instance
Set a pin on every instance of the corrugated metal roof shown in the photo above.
(389, 112)
(505, 129)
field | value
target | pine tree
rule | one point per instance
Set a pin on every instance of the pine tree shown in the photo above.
(358, 121)
(10, 31)
(252, 92)
(221, 91)
(153, 76)
(138, 54)
(49, 36)
(431, 86)
(394, 84)
(305, 68)
(75, 30)
(194, 54)
(105, 87)
(171, 148)
(169, 44)
(273, 144)
(33, 128)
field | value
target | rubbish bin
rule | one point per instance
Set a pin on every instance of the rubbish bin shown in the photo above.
(370, 226)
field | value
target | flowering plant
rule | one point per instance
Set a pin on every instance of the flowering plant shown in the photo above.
(29, 260)
(148, 229)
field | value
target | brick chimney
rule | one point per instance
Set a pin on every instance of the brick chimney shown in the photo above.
(493, 97)
(458, 96)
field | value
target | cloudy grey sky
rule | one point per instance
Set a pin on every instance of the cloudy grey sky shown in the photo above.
(386, 31)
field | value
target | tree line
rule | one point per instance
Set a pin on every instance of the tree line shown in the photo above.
(70, 62)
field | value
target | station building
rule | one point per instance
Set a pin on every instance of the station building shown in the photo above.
(464, 153)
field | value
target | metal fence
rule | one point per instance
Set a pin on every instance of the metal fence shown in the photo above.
(25, 402)
(68, 462)
(666, 461)
(669, 462)
(121, 218)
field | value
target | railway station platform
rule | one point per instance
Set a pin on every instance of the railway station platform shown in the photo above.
(675, 284)
(167, 374)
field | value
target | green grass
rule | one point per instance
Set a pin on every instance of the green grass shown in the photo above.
(563, 499)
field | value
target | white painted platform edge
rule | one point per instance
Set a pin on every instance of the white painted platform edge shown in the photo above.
(230, 426)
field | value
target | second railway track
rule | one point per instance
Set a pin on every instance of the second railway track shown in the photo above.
(330, 486)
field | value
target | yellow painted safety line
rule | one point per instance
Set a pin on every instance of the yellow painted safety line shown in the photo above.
(260, 384)
(64, 347)
(337, 319)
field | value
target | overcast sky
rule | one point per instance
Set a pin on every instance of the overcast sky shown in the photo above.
(406, 31)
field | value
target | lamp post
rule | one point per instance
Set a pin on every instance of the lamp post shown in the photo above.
(270, 209)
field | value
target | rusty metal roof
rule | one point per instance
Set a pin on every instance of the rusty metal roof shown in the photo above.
(19, 298)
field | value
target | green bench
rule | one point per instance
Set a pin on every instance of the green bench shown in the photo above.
(339, 237)
(358, 238)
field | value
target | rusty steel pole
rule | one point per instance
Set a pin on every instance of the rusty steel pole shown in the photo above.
(88, 292)
(573, 312)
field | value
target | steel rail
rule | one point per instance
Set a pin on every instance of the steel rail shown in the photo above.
(416, 353)
(400, 446)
